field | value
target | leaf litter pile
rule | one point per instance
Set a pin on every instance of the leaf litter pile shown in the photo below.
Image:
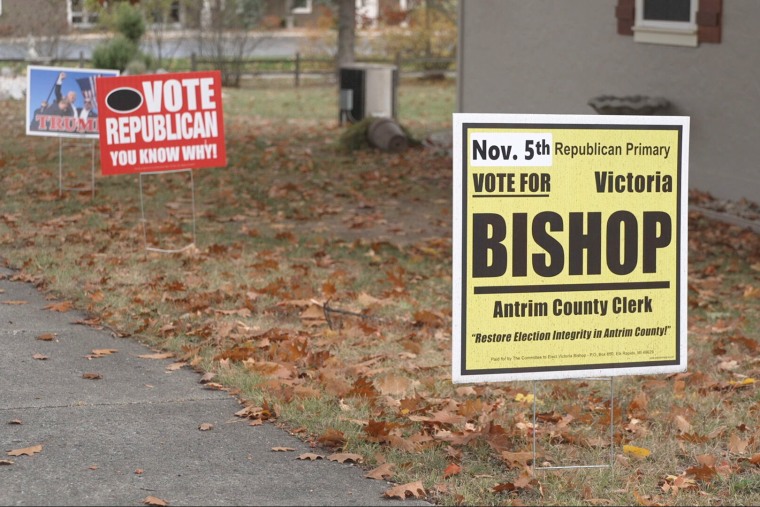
(317, 289)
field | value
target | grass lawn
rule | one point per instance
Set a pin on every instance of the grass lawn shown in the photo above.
(318, 290)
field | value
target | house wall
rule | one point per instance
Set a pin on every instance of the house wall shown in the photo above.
(553, 56)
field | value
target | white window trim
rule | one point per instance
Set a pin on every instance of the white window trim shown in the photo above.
(83, 13)
(673, 33)
(170, 24)
(306, 9)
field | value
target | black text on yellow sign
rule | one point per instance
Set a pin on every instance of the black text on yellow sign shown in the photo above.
(569, 255)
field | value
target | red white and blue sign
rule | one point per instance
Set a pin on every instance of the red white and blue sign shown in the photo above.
(161, 122)
(63, 102)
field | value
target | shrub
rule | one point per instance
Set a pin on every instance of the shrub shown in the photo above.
(429, 33)
(114, 54)
(117, 53)
(135, 67)
(128, 21)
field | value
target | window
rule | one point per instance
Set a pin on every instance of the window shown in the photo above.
(673, 22)
(79, 15)
(167, 15)
(676, 11)
(666, 22)
(174, 12)
(301, 7)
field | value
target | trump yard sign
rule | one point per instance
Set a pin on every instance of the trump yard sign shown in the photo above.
(63, 102)
(161, 122)
(569, 246)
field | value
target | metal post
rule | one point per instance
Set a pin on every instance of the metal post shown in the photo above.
(60, 166)
(61, 188)
(92, 167)
(298, 69)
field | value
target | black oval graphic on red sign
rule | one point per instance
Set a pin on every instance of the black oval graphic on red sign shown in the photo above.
(124, 100)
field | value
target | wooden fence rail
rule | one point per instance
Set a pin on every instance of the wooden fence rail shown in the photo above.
(298, 66)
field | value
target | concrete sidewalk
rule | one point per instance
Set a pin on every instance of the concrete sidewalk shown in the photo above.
(134, 432)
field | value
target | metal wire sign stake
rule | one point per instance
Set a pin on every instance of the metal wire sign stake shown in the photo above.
(144, 220)
(612, 433)
(61, 187)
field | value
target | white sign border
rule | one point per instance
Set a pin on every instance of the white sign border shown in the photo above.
(459, 120)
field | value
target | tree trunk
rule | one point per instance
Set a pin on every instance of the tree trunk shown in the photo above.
(346, 31)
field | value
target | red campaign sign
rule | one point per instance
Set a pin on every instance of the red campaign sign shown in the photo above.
(161, 122)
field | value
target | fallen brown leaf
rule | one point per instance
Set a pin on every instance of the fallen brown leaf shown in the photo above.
(310, 456)
(306, 392)
(520, 458)
(206, 427)
(5, 462)
(706, 459)
(47, 337)
(92, 376)
(728, 365)
(152, 500)
(332, 438)
(599, 501)
(693, 438)
(28, 451)
(39, 357)
(251, 412)
(98, 353)
(414, 489)
(313, 315)
(63, 306)
(683, 425)
(736, 445)
(282, 449)
(14, 302)
(342, 457)
(502, 487)
(15, 421)
(702, 472)
(673, 484)
(157, 355)
(176, 366)
(383, 472)
(452, 469)
(394, 385)
(645, 500)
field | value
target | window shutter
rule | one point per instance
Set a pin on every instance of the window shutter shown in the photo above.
(709, 20)
(624, 12)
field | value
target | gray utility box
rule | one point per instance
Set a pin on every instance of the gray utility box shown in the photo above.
(367, 90)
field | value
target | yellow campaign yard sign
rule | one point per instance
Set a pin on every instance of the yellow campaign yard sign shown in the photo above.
(570, 242)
